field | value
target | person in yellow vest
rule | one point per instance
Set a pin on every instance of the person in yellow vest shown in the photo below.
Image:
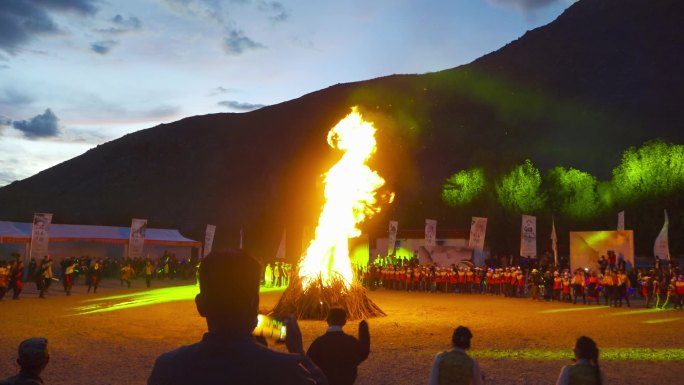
(607, 287)
(455, 367)
(586, 369)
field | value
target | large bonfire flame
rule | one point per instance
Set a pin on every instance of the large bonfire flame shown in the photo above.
(350, 188)
(325, 273)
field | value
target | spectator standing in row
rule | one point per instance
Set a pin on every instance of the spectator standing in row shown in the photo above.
(4, 278)
(339, 354)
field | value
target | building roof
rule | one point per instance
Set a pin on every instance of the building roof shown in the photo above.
(20, 232)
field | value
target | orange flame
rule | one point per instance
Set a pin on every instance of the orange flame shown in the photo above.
(350, 188)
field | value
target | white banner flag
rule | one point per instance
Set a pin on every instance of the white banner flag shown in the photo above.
(430, 233)
(478, 229)
(528, 236)
(661, 248)
(621, 221)
(208, 239)
(136, 241)
(392, 243)
(40, 235)
(280, 254)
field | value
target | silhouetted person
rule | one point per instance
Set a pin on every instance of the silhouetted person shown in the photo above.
(33, 358)
(586, 369)
(455, 366)
(338, 354)
(228, 353)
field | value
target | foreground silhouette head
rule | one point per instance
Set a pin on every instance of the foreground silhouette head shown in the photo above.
(229, 288)
(461, 337)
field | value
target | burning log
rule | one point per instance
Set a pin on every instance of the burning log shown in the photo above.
(315, 301)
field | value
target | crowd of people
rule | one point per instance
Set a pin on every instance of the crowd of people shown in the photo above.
(612, 283)
(228, 352)
(14, 276)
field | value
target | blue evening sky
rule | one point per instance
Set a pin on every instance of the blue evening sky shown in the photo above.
(78, 73)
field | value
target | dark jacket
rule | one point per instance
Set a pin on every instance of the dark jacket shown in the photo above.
(338, 355)
(237, 360)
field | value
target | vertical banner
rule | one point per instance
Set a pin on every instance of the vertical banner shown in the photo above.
(392, 242)
(478, 229)
(554, 241)
(430, 233)
(621, 221)
(40, 235)
(136, 241)
(528, 236)
(280, 254)
(661, 248)
(208, 239)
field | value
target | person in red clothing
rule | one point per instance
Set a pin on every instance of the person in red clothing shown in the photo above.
(16, 281)
(339, 354)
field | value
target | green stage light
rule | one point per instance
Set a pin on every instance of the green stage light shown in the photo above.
(145, 298)
(635, 312)
(606, 354)
(463, 187)
(520, 190)
(662, 320)
(572, 309)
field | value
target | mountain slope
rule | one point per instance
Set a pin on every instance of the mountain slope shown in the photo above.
(604, 76)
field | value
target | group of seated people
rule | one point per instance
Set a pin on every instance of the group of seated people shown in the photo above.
(229, 354)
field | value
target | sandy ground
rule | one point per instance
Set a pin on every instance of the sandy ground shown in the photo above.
(517, 341)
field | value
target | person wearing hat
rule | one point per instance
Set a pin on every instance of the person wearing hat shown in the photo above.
(338, 354)
(228, 353)
(455, 366)
(32, 359)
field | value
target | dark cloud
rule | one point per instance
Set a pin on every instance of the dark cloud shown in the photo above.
(525, 5)
(131, 22)
(23, 20)
(40, 126)
(236, 43)
(240, 106)
(224, 90)
(12, 97)
(5, 121)
(122, 25)
(86, 7)
(103, 47)
(275, 9)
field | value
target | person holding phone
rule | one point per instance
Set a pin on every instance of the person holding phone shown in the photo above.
(228, 353)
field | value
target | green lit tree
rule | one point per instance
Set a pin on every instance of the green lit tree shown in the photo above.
(574, 193)
(520, 190)
(463, 187)
(652, 171)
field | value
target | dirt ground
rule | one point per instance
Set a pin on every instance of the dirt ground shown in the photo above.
(517, 341)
